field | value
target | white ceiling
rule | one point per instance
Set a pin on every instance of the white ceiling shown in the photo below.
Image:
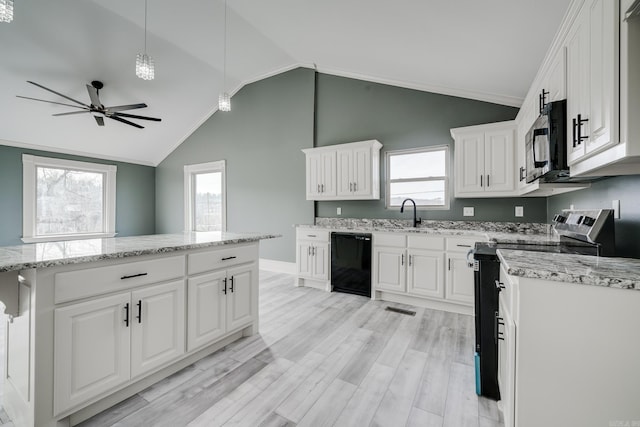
(481, 49)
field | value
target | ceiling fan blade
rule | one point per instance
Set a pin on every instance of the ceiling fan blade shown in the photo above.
(58, 93)
(133, 116)
(99, 120)
(126, 107)
(120, 119)
(52, 102)
(71, 112)
(93, 95)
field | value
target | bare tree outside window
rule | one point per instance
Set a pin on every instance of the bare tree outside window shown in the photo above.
(208, 201)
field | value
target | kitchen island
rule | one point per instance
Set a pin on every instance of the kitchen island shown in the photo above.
(92, 322)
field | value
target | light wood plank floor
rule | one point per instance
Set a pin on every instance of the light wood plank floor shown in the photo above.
(323, 359)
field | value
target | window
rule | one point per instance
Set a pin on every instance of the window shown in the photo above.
(419, 174)
(65, 199)
(205, 197)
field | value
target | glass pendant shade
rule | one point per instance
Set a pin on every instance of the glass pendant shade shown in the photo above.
(6, 10)
(224, 102)
(144, 66)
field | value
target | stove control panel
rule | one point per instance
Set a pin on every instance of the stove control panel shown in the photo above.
(584, 225)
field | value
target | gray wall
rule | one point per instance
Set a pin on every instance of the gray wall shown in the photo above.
(600, 195)
(354, 110)
(135, 194)
(260, 139)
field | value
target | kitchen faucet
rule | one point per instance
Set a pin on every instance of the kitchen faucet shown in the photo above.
(415, 221)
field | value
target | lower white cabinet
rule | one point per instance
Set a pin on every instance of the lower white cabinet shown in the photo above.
(312, 257)
(425, 276)
(102, 343)
(219, 302)
(505, 329)
(390, 271)
(459, 279)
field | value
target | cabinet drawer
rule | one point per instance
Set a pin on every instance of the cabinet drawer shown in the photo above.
(396, 240)
(312, 234)
(425, 242)
(72, 285)
(224, 257)
(463, 244)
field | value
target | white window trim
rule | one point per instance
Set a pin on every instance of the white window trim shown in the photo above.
(29, 165)
(189, 188)
(447, 169)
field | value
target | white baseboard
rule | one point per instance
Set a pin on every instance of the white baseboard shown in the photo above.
(278, 266)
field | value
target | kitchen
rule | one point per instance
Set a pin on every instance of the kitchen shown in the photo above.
(265, 168)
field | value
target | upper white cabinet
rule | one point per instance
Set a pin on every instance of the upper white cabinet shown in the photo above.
(485, 160)
(344, 172)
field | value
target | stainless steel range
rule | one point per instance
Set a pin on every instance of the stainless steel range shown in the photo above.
(584, 232)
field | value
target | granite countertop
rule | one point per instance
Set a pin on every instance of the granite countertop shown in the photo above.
(621, 273)
(50, 254)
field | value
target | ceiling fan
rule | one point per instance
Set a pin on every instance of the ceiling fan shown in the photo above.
(96, 108)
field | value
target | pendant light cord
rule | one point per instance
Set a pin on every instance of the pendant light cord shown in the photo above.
(145, 27)
(224, 62)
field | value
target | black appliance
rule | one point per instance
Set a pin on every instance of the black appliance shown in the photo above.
(583, 232)
(351, 263)
(545, 145)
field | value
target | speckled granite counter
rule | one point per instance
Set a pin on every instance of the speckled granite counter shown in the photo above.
(621, 273)
(38, 255)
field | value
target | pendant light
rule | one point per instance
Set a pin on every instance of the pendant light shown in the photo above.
(224, 100)
(145, 68)
(6, 10)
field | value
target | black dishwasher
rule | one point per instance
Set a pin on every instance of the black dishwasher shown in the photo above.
(351, 263)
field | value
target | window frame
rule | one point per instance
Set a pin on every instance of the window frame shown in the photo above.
(446, 177)
(189, 175)
(30, 163)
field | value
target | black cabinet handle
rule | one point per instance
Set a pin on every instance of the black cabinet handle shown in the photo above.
(449, 264)
(133, 275)
(463, 246)
(522, 170)
(480, 180)
(312, 235)
(231, 283)
(497, 335)
(228, 258)
(225, 286)
(487, 181)
(581, 121)
(139, 316)
(402, 259)
(573, 127)
(542, 100)
(126, 315)
(410, 260)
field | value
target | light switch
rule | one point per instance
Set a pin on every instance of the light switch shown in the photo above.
(519, 211)
(468, 211)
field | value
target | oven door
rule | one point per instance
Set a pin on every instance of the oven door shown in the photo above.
(538, 149)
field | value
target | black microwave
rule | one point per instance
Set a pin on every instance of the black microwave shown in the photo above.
(546, 147)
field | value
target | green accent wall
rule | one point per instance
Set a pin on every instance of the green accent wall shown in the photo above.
(135, 194)
(600, 196)
(354, 110)
(261, 140)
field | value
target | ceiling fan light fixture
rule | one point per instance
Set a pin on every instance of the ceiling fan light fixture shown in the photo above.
(224, 102)
(145, 68)
(6, 10)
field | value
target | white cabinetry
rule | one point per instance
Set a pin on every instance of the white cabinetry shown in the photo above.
(344, 172)
(105, 342)
(312, 257)
(410, 266)
(485, 160)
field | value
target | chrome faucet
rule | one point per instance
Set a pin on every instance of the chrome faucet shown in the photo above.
(415, 221)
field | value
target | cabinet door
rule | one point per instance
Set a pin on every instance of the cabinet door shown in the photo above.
(459, 283)
(241, 299)
(314, 175)
(304, 259)
(389, 269)
(425, 273)
(345, 172)
(328, 183)
(506, 363)
(361, 171)
(469, 159)
(577, 83)
(557, 76)
(91, 349)
(157, 332)
(320, 260)
(206, 314)
(499, 161)
(603, 74)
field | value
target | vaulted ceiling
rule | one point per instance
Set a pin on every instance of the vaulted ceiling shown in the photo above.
(488, 50)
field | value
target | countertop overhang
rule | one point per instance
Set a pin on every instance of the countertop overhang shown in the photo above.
(51, 254)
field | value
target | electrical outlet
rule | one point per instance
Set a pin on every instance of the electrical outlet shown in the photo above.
(571, 207)
(468, 211)
(615, 205)
(339, 211)
(519, 211)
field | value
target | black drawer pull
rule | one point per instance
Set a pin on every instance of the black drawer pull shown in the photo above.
(126, 315)
(312, 235)
(464, 246)
(228, 258)
(133, 275)
(139, 316)
(231, 283)
(225, 285)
